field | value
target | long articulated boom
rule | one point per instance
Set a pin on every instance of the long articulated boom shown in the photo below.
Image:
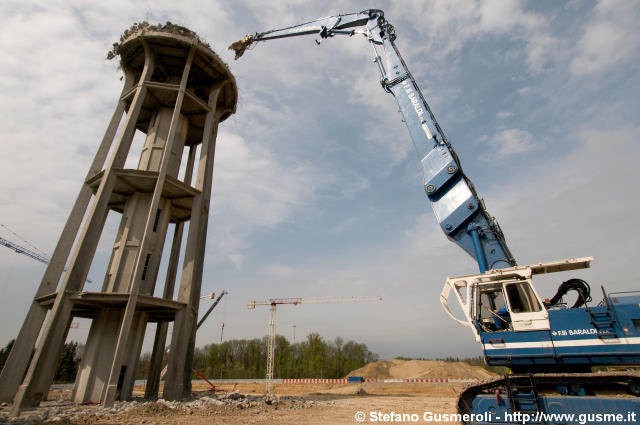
(460, 212)
(549, 346)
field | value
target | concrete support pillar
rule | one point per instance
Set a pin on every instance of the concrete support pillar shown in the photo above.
(160, 339)
(42, 368)
(178, 378)
(97, 356)
(18, 360)
(142, 254)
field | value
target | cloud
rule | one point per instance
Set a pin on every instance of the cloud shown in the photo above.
(279, 271)
(610, 39)
(450, 25)
(250, 179)
(561, 196)
(345, 224)
(509, 142)
(354, 183)
(57, 94)
(254, 189)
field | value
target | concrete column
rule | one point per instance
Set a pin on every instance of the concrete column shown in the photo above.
(123, 337)
(18, 359)
(97, 356)
(42, 368)
(132, 354)
(178, 378)
(160, 340)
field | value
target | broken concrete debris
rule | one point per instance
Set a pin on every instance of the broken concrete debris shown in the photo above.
(63, 412)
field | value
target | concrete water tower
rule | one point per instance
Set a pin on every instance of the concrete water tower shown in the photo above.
(176, 91)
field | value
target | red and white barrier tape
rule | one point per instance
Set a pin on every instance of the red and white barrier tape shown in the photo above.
(345, 380)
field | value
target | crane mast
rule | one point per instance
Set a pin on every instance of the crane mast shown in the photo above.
(274, 302)
(458, 208)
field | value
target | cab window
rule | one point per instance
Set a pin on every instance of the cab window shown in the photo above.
(522, 299)
(491, 300)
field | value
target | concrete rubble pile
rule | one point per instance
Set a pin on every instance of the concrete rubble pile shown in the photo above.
(63, 412)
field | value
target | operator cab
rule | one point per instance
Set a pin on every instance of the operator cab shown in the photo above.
(507, 293)
(509, 305)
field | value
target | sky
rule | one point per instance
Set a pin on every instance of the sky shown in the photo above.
(317, 190)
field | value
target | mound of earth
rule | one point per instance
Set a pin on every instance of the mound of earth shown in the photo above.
(412, 369)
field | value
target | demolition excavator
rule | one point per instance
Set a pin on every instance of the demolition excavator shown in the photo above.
(550, 347)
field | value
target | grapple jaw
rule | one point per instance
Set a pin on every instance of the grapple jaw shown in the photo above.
(241, 45)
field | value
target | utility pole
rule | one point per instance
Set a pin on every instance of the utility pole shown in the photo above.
(274, 302)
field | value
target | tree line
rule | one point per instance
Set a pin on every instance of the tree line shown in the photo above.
(247, 358)
(242, 358)
(68, 361)
(311, 358)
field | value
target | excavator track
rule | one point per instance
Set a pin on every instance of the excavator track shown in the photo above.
(541, 386)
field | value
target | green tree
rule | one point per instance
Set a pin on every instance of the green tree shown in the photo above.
(142, 370)
(4, 353)
(310, 358)
(68, 363)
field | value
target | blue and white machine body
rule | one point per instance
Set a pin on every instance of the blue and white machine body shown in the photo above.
(533, 336)
(501, 306)
(537, 337)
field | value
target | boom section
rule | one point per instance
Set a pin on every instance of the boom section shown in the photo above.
(458, 208)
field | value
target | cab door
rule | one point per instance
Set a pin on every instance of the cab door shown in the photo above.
(528, 340)
(526, 310)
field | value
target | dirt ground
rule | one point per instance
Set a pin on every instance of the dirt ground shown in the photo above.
(331, 404)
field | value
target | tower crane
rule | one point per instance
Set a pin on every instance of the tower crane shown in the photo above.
(19, 249)
(273, 304)
(24, 251)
